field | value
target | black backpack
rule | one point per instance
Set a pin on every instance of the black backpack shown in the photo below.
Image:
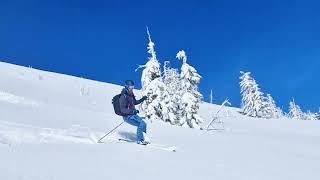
(116, 104)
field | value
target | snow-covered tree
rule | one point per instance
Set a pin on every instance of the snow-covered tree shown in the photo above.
(171, 104)
(310, 116)
(317, 116)
(252, 98)
(152, 84)
(171, 97)
(295, 111)
(269, 108)
(191, 97)
(253, 102)
(152, 106)
(152, 67)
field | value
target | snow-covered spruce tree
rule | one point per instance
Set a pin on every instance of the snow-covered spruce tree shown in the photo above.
(317, 116)
(269, 108)
(152, 84)
(252, 102)
(310, 116)
(171, 103)
(191, 97)
(152, 67)
(295, 111)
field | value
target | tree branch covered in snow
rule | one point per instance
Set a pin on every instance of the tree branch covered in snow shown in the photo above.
(151, 47)
(181, 55)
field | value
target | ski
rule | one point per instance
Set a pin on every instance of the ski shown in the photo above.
(151, 145)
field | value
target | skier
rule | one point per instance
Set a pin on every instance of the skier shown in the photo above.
(129, 112)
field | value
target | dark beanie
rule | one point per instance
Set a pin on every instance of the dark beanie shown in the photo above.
(129, 83)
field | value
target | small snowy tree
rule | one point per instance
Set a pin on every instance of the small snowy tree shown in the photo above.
(269, 108)
(252, 98)
(191, 97)
(152, 84)
(310, 116)
(295, 111)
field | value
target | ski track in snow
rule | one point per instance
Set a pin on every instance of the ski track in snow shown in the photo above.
(13, 134)
(14, 99)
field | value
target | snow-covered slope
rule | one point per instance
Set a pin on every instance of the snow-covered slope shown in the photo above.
(49, 125)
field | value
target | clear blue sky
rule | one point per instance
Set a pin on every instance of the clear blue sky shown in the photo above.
(278, 41)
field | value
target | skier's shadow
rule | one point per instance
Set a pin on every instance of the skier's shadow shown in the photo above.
(127, 135)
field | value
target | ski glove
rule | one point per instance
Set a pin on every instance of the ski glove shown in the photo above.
(135, 112)
(144, 98)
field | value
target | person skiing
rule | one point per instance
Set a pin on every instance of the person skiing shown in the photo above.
(129, 113)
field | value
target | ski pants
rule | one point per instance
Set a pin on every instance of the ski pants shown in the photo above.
(137, 121)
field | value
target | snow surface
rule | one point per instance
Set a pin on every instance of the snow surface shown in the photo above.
(50, 123)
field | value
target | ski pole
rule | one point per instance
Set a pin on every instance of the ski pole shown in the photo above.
(110, 132)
